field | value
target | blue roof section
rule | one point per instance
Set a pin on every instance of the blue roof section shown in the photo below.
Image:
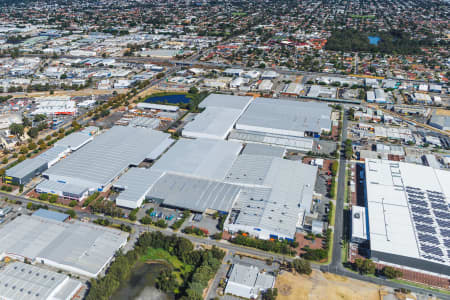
(52, 215)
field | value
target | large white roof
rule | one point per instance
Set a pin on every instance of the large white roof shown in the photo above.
(285, 117)
(277, 192)
(205, 158)
(408, 208)
(103, 159)
(79, 247)
(24, 281)
(218, 119)
(213, 122)
(226, 101)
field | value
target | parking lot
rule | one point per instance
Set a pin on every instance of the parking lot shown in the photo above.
(206, 222)
(159, 213)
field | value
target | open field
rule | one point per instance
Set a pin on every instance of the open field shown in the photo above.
(324, 286)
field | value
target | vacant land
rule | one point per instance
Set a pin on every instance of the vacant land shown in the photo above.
(324, 286)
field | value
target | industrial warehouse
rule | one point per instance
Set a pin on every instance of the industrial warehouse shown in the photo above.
(23, 172)
(277, 122)
(218, 119)
(407, 215)
(284, 123)
(96, 165)
(23, 281)
(263, 193)
(268, 196)
(78, 247)
(286, 118)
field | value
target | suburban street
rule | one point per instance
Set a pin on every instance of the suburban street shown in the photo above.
(339, 214)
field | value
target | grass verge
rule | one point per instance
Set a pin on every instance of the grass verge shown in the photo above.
(422, 286)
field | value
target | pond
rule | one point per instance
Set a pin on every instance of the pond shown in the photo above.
(374, 40)
(170, 99)
(141, 285)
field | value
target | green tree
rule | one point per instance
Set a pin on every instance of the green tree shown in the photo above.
(71, 213)
(334, 168)
(53, 198)
(391, 272)
(26, 122)
(365, 266)
(132, 215)
(33, 132)
(193, 90)
(301, 266)
(146, 220)
(16, 129)
(166, 281)
(270, 294)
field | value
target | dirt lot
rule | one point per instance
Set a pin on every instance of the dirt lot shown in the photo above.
(324, 286)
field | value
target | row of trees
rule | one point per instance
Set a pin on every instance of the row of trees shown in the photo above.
(284, 247)
(367, 266)
(348, 149)
(195, 231)
(147, 220)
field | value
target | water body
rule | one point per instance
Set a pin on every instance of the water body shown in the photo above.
(374, 40)
(141, 285)
(170, 99)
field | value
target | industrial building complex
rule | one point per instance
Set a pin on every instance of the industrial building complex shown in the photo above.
(406, 220)
(276, 122)
(23, 281)
(78, 247)
(218, 119)
(96, 165)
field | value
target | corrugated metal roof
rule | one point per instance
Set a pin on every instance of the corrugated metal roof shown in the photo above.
(82, 246)
(205, 158)
(265, 150)
(74, 140)
(213, 122)
(286, 116)
(136, 183)
(194, 193)
(279, 191)
(291, 142)
(54, 187)
(226, 101)
(25, 281)
(30, 165)
(26, 167)
(53, 153)
(100, 161)
(52, 215)
(247, 281)
(145, 122)
(144, 105)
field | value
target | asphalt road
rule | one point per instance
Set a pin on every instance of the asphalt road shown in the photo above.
(339, 209)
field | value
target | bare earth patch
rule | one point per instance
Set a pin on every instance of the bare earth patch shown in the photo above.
(324, 286)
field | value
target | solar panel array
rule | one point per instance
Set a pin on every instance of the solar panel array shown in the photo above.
(431, 219)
